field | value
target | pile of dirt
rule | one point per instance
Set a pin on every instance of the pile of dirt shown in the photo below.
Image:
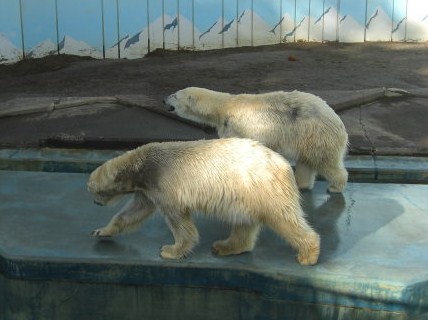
(40, 65)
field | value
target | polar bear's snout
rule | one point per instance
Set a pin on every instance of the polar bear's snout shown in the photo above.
(168, 103)
(98, 203)
(105, 199)
(101, 196)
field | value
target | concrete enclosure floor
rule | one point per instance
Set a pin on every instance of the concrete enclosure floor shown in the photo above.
(373, 257)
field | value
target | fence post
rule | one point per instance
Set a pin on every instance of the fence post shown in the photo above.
(22, 29)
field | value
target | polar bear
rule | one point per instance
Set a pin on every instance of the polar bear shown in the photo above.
(300, 126)
(236, 180)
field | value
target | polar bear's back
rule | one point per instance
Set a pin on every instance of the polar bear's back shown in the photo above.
(297, 121)
(287, 108)
(214, 158)
(218, 177)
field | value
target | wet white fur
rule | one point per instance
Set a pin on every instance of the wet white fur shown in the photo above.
(236, 180)
(298, 125)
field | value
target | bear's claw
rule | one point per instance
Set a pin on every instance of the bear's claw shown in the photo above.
(98, 233)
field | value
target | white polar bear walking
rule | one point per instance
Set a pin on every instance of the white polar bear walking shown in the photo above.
(236, 180)
(298, 125)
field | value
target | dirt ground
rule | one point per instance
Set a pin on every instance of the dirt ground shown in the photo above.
(386, 127)
(248, 69)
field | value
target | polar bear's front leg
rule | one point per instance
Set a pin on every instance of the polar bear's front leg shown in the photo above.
(129, 217)
(185, 235)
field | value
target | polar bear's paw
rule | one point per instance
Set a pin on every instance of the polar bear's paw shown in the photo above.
(172, 252)
(220, 249)
(223, 248)
(308, 259)
(335, 189)
(101, 233)
(309, 256)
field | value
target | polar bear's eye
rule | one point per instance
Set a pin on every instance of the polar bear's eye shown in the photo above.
(191, 101)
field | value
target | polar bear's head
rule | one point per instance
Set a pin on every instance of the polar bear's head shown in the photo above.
(196, 104)
(107, 184)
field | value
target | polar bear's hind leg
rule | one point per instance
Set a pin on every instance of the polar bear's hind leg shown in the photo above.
(337, 177)
(242, 239)
(305, 176)
(185, 235)
(294, 228)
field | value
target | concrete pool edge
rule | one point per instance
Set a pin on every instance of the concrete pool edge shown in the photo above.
(329, 292)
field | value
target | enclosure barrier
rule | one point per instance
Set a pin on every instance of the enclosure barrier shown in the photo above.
(132, 28)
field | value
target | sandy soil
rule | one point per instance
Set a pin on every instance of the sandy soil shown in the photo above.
(249, 69)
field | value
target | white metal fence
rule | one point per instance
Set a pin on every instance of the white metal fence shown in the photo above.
(131, 28)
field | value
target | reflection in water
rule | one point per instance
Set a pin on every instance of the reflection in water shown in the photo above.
(324, 217)
(350, 219)
(109, 247)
